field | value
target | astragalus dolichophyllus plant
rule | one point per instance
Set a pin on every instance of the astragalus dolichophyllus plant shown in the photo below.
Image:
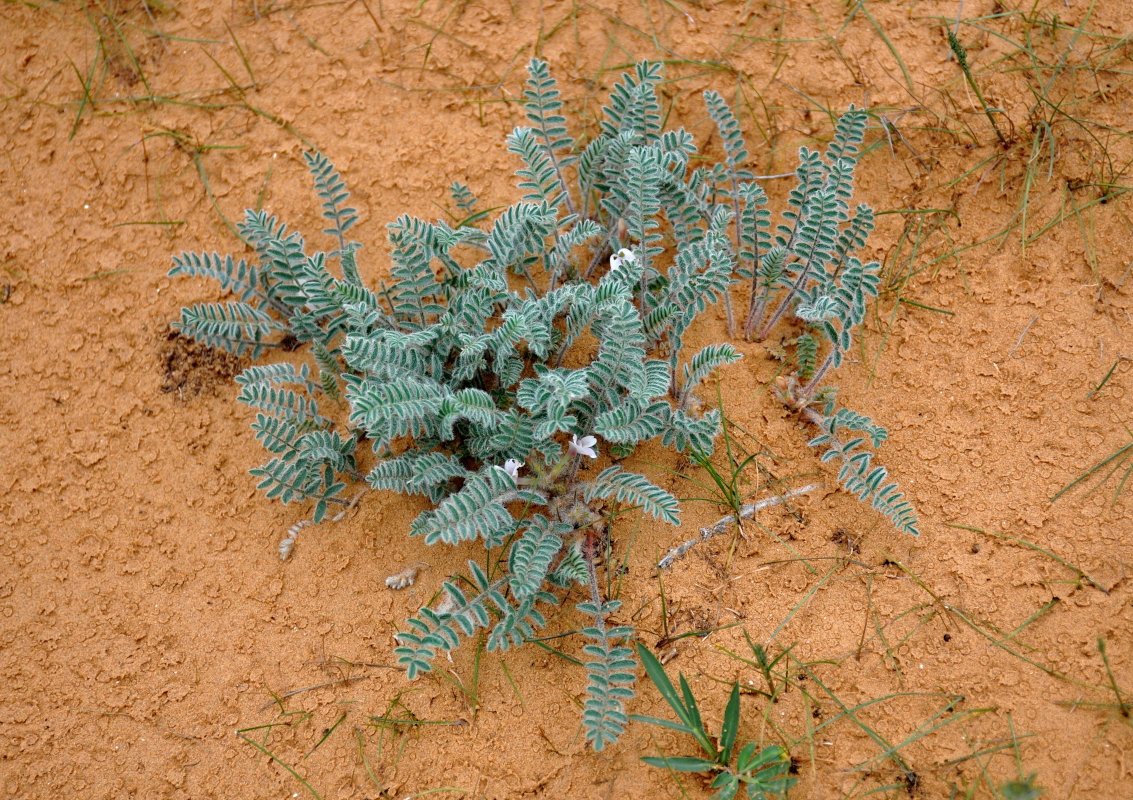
(497, 358)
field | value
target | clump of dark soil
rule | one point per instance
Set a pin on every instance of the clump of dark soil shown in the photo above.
(190, 368)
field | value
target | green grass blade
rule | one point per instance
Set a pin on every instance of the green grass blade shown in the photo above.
(657, 674)
(731, 726)
(281, 763)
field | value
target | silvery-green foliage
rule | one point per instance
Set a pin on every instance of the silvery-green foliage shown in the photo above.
(502, 352)
(611, 675)
(856, 473)
(805, 265)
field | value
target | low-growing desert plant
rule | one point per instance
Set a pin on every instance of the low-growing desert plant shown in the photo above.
(495, 361)
(763, 771)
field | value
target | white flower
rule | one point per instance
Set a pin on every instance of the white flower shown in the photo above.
(623, 256)
(511, 467)
(583, 446)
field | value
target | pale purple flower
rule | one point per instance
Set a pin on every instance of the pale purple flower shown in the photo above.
(511, 467)
(623, 256)
(583, 446)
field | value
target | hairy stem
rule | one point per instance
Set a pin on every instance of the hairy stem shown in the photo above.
(731, 317)
(746, 512)
(589, 553)
(785, 303)
(758, 306)
(808, 391)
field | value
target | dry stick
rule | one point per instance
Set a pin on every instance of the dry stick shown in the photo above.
(350, 505)
(294, 692)
(1022, 336)
(407, 577)
(746, 512)
(288, 543)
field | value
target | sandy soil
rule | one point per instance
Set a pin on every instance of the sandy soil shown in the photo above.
(145, 614)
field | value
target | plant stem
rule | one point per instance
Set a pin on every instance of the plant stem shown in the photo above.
(800, 282)
(736, 223)
(589, 554)
(758, 305)
(746, 512)
(962, 58)
(808, 391)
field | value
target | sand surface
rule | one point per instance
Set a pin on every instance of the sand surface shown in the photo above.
(146, 617)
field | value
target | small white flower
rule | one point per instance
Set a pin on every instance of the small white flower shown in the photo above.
(511, 467)
(623, 256)
(583, 446)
